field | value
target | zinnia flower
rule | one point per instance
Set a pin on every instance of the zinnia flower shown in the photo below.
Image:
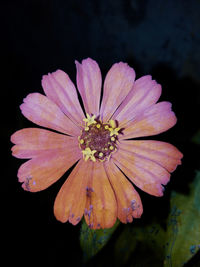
(108, 162)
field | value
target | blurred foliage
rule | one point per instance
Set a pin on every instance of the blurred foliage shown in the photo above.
(170, 243)
(140, 245)
(196, 138)
(183, 226)
(92, 241)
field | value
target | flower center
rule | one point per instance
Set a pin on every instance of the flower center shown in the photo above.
(98, 140)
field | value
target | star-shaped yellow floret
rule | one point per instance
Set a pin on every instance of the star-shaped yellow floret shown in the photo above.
(90, 120)
(89, 154)
(114, 131)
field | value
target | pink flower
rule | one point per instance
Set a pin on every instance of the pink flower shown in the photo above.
(97, 187)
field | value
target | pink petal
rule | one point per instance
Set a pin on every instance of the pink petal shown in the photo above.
(118, 83)
(144, 173)
(101, 206)
(129, 204)
(71, 199)
(40, 172)
(162, 153)
(42, 111)
(145, 93)
(156, 119)
(89, 84)
(34, 142)
(59, 88)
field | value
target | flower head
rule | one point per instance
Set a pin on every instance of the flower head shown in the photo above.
(100, 143)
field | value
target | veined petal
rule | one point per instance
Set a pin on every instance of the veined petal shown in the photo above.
(40, 172)
(118, 83)
(59, 88)
(156, 119)
(89, 84)
(42, 111)
(71, 199)
(145, 93)
(144, 173)
(163, 153)
(101, 206)
(34, 142)
(129, 204)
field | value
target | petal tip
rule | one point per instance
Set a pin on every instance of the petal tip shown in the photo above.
(89, 60)
(77, 62)
(13, 138)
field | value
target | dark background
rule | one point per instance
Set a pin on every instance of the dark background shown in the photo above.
(161, 38)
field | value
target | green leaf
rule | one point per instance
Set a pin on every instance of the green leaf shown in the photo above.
(183, 231)
(92, 241)
(136, 241)
(172, 245)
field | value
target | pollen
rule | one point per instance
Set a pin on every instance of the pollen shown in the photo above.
(98, 140)
(100, 154)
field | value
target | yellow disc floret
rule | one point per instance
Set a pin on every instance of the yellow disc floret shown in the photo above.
(89, 154)
(90, 120)
(114, 131)
(112, 123)
(100, 154)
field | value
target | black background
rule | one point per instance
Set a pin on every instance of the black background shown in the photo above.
(160, 38)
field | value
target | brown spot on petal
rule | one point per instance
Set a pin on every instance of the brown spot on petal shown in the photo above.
(78, 219)
(27, 183)
(133, 203)
(129, 219)
(89, 191)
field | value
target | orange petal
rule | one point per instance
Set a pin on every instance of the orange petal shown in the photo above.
(39, 173)
(129, 204)
(35, 142)
(163, 153)
(101, 206)
(71, 199)
(42, 111)
(89, 84)
(144, 173)
(145, 92)
(156, 119)
(118, 82)
(59, 88)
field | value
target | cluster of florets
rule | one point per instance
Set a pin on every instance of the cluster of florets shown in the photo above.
(98, 140)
